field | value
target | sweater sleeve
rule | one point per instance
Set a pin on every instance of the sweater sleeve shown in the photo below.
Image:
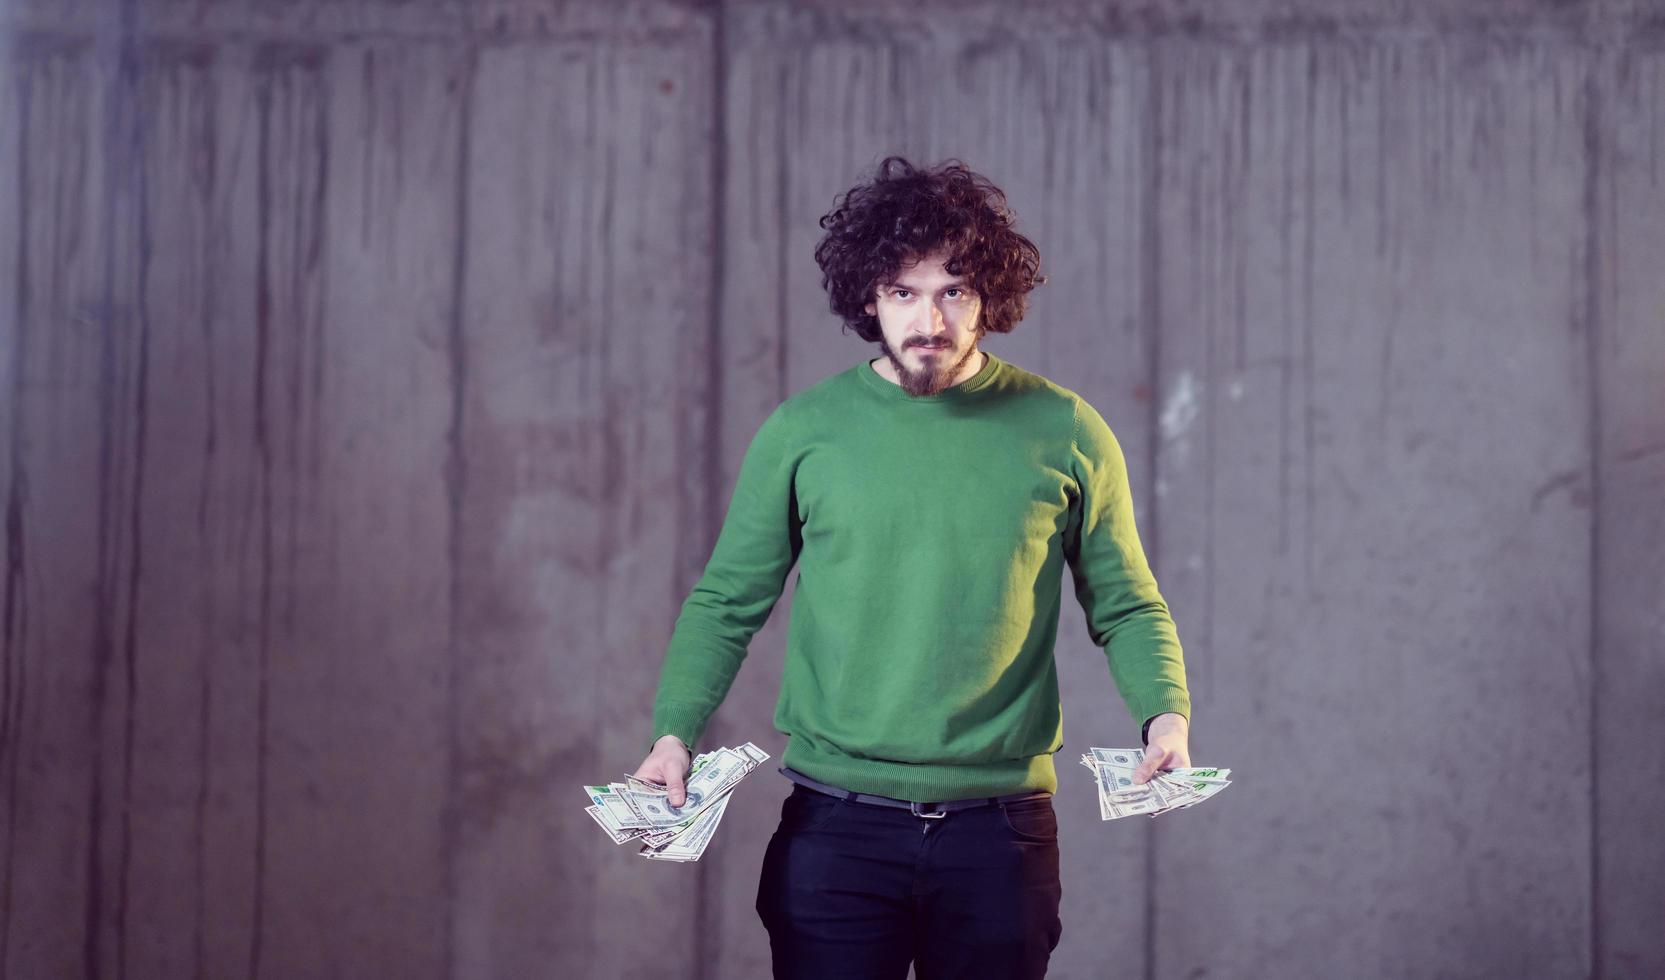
(756, 548)
(1126, 614)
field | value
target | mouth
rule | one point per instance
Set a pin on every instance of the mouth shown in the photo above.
(930, 348)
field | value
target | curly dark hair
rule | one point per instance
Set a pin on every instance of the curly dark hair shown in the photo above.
(905, 213)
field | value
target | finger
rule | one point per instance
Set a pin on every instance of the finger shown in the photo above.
(673, 788)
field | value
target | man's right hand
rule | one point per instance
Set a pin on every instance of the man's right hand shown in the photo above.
(668, 764)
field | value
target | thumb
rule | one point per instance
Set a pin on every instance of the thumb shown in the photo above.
(674, 786)
(1154, 760)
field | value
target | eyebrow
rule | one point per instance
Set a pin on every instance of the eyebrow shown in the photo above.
(956, 284)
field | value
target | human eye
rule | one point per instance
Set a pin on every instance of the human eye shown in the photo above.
(897, 293)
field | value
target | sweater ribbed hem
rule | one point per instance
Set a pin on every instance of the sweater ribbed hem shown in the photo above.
(922, 782)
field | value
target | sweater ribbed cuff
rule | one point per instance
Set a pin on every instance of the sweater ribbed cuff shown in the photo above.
(1176, 700)
(685, 723)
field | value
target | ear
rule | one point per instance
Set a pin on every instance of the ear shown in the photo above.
(872, 310)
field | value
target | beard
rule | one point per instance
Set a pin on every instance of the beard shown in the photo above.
(937, 374)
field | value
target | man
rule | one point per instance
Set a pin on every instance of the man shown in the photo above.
(931, 499)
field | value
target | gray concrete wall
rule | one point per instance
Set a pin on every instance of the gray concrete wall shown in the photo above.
(373, 377)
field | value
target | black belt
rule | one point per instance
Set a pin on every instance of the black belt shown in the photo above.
(929, 810)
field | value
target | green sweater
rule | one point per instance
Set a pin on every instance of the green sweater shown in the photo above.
(931, 535)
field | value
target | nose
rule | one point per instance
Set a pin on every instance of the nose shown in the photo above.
(935, 322)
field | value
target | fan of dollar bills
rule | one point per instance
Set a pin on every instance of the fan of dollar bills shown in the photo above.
(1173, 789)
(639, 810)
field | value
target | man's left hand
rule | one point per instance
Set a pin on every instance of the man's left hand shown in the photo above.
(1168, 748)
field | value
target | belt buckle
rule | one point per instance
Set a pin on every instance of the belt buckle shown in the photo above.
(934, 815)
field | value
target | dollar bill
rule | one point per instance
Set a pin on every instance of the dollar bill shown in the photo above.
(704, 786)
(1172, 789)
(618, 834)
(611, 800)
(691, 844)
(640, 810)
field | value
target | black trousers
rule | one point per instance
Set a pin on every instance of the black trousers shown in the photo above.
(860, 891)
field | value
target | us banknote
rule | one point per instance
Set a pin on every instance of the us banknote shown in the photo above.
(638, 810)
(1172, 789)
